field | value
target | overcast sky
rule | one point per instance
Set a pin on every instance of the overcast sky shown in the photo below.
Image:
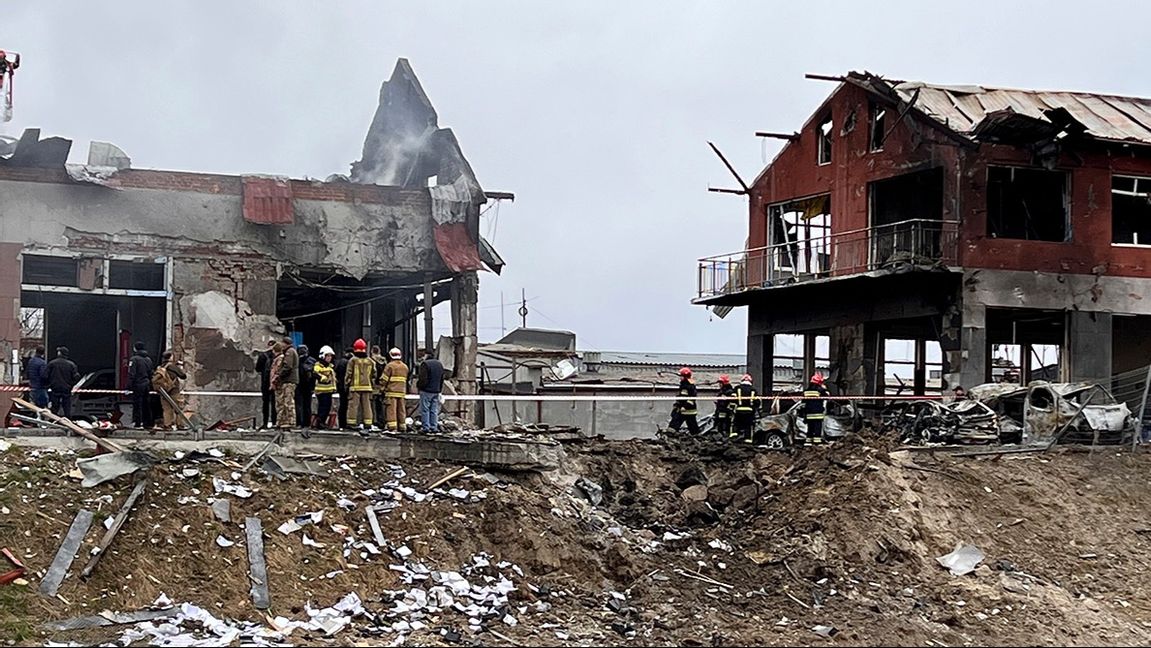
(596, 115)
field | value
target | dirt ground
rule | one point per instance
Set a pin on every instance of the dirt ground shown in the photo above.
(701, 546)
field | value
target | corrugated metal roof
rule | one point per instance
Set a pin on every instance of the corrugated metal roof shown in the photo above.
(673, 359)
(961, 108)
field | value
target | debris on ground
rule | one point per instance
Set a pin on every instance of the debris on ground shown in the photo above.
(629, 541)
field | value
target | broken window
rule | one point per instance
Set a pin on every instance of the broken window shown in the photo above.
(800, 237)
(1027, 204)
(878, 127)
(823, 135)
(49, 270)
(136, 275)
(1130, 210)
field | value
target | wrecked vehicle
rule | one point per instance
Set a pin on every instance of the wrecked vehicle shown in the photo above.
(1038, 412)
(779, 431)
(927, 421)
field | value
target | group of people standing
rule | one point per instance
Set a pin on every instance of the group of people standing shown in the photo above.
(371, 388)
(737, 408)
(51, 384)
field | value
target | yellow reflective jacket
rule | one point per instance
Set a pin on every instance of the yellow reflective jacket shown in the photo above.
(325, 378)
(361, 370)
(394, 379)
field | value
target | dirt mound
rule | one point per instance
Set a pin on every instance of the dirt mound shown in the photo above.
(630, 540)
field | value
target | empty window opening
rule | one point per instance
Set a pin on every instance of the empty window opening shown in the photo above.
(878, 127)
(1007, 363)
(912, 367)
(800, 236)
(796, 357)
(136, 275)
(1131, 210)
(823, 135)
(904, 214)
(1027, 204)
(50, 270)
(787, 369)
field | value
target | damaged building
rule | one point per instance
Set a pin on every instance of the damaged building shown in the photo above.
(938, 235)
(97, 256)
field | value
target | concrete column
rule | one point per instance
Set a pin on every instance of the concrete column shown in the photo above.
(465, 308)
(10, 331)
(759, 361)
(972, 365)
(429, 329)
(1088, 346)
(848, 372)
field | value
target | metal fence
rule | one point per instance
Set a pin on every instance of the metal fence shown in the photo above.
(914, 242)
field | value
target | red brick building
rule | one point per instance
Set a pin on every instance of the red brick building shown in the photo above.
(961, 228)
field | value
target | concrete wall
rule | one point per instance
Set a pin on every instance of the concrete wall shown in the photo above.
(614, 420)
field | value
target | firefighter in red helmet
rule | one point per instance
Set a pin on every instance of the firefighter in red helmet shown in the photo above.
(746, 409)
(815, 408)
(684, 409)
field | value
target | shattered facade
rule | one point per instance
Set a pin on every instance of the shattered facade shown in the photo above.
(957, 221)
(212, 266)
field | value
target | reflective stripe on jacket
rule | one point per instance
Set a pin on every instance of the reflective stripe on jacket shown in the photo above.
(687, 392)
(813, 407)
(361, 369)
(745, 399)
(394, 380)
(325, 378)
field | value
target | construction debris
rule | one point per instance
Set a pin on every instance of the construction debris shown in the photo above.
(110, 535)
(66, 554)
(106, 467)
(962, 560)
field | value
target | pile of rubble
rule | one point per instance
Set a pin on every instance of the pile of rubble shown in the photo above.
(630, 541)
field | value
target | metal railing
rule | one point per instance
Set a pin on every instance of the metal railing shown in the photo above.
(910, 242)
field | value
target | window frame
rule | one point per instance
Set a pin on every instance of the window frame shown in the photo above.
(823, 141)
(1068, 225)
(1139, 180)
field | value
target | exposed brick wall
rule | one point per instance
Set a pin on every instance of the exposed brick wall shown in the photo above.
(229, 185)
(913, 146)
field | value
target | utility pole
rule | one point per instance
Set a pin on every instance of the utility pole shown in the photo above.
(524, 307)
(503, 327)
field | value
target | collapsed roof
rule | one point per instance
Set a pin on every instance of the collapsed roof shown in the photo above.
(978, 113)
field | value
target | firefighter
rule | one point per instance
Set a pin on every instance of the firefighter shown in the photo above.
(325, 378)
(394, 386)
(746, 408)
(360, 380)
(723, 407)
(684, 408)
(814, 408)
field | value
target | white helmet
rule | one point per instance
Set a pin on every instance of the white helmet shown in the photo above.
(326, 350)
(395, 353)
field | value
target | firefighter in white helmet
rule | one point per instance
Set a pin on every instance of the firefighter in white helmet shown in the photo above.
(394, 385)
(325, 378)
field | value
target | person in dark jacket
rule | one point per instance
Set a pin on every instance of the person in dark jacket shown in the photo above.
(342, 388)
(430, 383)
(140, 368)
(37, 373)
(62, 377)
(746, 410)
(684, 409)
(305, 387)
(264, 368)
(723, 407)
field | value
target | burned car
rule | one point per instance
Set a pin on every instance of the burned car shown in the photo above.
(779, 431)
(922, 422)
(1040, 410)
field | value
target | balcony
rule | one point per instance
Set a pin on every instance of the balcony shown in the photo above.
(918, 242)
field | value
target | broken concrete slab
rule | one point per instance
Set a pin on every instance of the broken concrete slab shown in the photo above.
(258, 569)
(222, 510)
